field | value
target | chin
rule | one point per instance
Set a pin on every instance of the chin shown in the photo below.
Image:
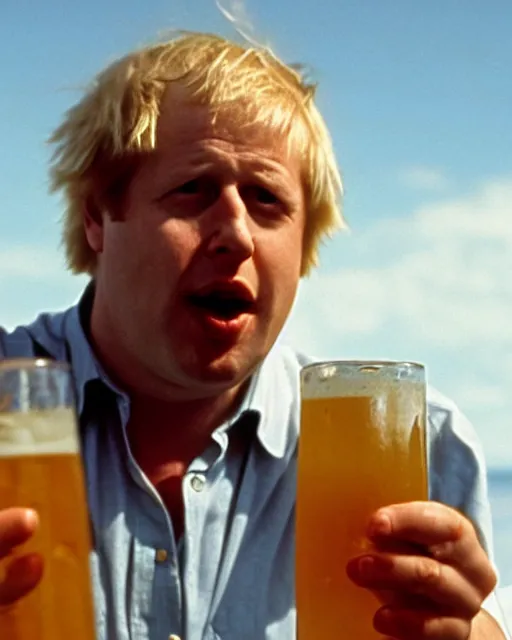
(226, 373)
(229, 370)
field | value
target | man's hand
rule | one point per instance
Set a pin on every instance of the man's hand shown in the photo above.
(20, 575)
(429, 570)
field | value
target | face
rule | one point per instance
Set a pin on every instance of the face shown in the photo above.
(198, 275)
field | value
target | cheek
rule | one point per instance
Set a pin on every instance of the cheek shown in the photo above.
(179, 241)
(280, 273)
(150, 255)
(286, 256)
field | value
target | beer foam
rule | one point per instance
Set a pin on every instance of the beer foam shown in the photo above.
(334, 380)
(38, 432)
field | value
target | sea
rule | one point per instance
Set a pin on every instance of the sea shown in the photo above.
(500, 494)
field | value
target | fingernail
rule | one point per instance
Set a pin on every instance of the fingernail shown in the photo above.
(31, 518)
(380, 525)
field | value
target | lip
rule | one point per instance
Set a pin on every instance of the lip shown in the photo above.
(234, 288)
(223, 329)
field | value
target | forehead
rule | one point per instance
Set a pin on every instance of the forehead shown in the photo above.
(187, 124)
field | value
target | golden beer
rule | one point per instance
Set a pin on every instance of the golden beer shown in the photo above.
(40, 468)
(362, 446)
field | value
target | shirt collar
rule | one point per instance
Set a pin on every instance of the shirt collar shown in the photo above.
(85, 366)
(273, 395)
(63, 337)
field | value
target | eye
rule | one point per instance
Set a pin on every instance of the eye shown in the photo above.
(191, 187)
(190, 197)
(265, 196)
(261, 195)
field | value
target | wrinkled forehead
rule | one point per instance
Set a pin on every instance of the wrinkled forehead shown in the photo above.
(186, 117)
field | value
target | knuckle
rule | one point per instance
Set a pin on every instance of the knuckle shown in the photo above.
(453, 521)
(474, 607)
(443, 551)
(464, 528)
(439, 628)
(460, 526)
(430, 513)
(428, 573)
(491, 581)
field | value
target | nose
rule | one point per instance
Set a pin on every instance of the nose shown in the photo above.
(229, 230)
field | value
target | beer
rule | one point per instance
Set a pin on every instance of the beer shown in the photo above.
(40, 468)
(362, 446)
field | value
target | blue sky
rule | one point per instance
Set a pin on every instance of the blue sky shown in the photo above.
(418, 99)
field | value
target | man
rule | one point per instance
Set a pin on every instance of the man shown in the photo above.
(199, 181)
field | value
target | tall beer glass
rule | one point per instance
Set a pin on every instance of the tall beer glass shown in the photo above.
(40, 468)
(362, 446)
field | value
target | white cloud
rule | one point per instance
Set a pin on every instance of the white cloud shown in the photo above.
(29, 263)
(424, 178)
(435, 286)
(34, 279)
(485, 215)
(447, 282)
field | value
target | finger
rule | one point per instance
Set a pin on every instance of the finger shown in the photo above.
(390, 545)
(443, 532)
(404, 624)
(423, 523)
(16, 527)
(417, 575)
(22, 575)
(399, 598)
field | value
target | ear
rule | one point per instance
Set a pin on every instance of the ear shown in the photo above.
(94, 225)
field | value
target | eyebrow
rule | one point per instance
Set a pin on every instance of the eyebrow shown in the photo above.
(204, 159)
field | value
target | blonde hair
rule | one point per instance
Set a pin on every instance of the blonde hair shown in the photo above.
(116, 120)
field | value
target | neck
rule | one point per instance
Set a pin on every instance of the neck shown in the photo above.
(183, 428)
(195, 417)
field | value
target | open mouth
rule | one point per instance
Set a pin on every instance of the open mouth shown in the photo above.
(222, 304)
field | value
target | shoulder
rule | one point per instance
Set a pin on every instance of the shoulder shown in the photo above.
(287, 359)
(457, 467)
(280, 372)
(43, 337)
(451, 433)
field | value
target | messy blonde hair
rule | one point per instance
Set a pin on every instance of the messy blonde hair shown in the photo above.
(102, 136)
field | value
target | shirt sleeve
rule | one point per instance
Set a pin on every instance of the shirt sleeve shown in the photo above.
(3, 333)
(17, 344)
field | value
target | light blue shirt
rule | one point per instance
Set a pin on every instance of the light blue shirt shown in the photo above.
(231, 577)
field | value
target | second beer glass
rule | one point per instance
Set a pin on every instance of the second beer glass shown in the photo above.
(40, 468)
(362, 446)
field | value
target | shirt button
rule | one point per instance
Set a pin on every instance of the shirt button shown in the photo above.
(161, 555)
(197, 483)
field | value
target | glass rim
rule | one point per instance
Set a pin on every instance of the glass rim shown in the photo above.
(409, 364)
(32, 364)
